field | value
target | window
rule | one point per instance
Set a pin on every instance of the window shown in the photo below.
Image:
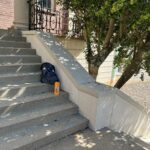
(45, 3)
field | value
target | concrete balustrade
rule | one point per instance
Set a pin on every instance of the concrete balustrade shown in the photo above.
(104, 106)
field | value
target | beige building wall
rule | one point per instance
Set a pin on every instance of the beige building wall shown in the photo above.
(105, 74)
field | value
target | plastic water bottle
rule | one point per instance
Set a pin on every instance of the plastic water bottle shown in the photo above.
(57, 88)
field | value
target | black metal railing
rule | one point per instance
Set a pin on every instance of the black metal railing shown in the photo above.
(46, 19)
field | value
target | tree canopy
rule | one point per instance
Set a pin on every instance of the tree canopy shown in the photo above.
(120, 25)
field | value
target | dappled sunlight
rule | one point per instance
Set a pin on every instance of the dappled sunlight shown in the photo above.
(45, 125)
(5, 93)
(11, 140)
(19, 68)
(63, 56)
(20, 92)
(48, 132)
(5, 114)
(18, 50)
(84, 142)
(62, 59)
(8, 93)
(19, 61)
(104, 139)
(7, 111)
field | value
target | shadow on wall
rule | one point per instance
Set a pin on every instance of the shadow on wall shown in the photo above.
(62, 54)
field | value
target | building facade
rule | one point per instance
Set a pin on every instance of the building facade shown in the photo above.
(6, 13)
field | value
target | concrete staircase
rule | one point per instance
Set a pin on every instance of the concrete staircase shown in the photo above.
(30, 115)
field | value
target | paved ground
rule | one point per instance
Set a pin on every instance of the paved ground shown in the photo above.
(140, 92)
(102, 140)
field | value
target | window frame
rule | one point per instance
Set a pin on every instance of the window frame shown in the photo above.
(48, 4)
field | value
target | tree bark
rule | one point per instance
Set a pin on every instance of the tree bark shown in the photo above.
(131, 69)
(95, 61)
(93, 70)
(109, 33)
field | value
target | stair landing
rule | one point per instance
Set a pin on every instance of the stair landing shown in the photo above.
(104, 139)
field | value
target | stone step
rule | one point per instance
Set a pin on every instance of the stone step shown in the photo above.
(17, 51)
(14, 44)
(18, 59)
(13, 35)
(35, 136)
(29, 103)
(16, 39)
(19, 68)
(17, 90)
(31, 116)
(19, 78)
(13, 121)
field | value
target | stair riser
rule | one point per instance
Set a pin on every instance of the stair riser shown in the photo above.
(19, 79)
(19, 69)
(37, 103)
(51, 138)
(24, 91)
(19, 60)
(17, 51)
(39, 120)
(15, 44)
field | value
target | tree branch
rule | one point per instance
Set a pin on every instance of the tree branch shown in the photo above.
(109, 34)
(122, 29)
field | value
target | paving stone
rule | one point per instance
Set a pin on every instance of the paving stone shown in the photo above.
(140, 92)
(104, 139)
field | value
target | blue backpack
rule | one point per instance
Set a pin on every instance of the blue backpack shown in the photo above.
(48, 73)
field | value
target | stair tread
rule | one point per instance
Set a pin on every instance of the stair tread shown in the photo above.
(37, 132)
(14, 39)
(15, 48)
(19, 56)
(17, 51)
(7, 41)
(22, 85)
(6, 102)
(14, 44)
(18, 64)
(8, 119)
(19, 59)
(19, 74)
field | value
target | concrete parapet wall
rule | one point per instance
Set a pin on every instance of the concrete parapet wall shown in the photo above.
(102, 105)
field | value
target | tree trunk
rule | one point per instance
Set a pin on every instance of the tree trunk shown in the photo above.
(130, 70)
(93, 70)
